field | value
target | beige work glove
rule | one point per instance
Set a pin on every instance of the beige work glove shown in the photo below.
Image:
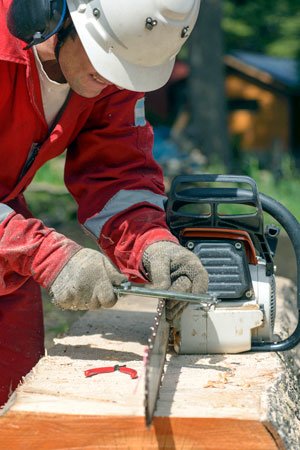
(173, 267)
(86, 282)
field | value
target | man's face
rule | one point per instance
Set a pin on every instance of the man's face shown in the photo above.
(78, 71)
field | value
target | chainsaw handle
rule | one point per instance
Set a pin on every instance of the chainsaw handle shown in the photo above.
(292, 227)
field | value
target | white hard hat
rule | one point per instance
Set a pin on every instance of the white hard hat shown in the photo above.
(133, 43)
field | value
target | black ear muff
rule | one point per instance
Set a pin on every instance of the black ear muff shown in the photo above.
(35, 21)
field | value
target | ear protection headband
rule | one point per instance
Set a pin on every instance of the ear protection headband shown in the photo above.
(35, 21)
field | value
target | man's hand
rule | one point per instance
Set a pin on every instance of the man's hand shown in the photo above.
(173, 267)
(86, 282)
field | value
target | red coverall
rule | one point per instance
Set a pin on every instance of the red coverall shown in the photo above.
(109, 171)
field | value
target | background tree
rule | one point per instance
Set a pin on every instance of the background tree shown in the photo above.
(208, 125)
(270, 27)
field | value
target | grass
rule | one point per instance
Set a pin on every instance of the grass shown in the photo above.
(284, 189)
(52, 172)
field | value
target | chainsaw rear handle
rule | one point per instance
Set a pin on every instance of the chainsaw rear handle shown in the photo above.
(292, 227)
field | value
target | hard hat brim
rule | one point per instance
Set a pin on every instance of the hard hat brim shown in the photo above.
(116, 69)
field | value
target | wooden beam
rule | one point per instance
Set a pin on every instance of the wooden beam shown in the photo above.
(207, 402)
(22, 431)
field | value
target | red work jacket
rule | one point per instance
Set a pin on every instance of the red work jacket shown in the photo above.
(110, 170)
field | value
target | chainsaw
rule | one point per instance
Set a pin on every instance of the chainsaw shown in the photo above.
(221, 219)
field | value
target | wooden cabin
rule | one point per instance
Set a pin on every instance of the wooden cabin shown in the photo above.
(263, 102)
(263, 96)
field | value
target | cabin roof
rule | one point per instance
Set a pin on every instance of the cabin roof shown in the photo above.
(268, 69)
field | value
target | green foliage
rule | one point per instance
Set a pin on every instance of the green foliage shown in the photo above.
(58, 207)
(47, 196)
(266, 27)
(52, 172)
(284, 189)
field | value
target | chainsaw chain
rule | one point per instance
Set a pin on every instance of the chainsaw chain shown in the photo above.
(150, 353)
(159, 311)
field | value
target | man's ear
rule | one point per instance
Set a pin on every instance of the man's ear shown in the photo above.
(46, 50)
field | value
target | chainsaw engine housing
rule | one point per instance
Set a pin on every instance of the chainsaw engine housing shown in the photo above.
(233, 325)
(236, 252)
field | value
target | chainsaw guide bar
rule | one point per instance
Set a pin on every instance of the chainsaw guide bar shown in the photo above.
(155, 357)
(155, 353)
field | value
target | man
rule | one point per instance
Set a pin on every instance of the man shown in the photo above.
(79, 84)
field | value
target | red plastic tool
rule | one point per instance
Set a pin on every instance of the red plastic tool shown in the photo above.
(124, 369)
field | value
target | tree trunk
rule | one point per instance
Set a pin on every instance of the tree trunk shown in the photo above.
(206, 87)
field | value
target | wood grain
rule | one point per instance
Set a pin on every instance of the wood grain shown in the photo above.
(29, 431)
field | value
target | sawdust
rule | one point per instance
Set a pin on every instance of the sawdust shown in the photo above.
(223, 379)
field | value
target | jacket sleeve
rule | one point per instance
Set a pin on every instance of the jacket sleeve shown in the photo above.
(30, 249)
(118, 186)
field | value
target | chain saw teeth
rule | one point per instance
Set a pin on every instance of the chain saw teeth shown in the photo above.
(155, 355)
(159, 313)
